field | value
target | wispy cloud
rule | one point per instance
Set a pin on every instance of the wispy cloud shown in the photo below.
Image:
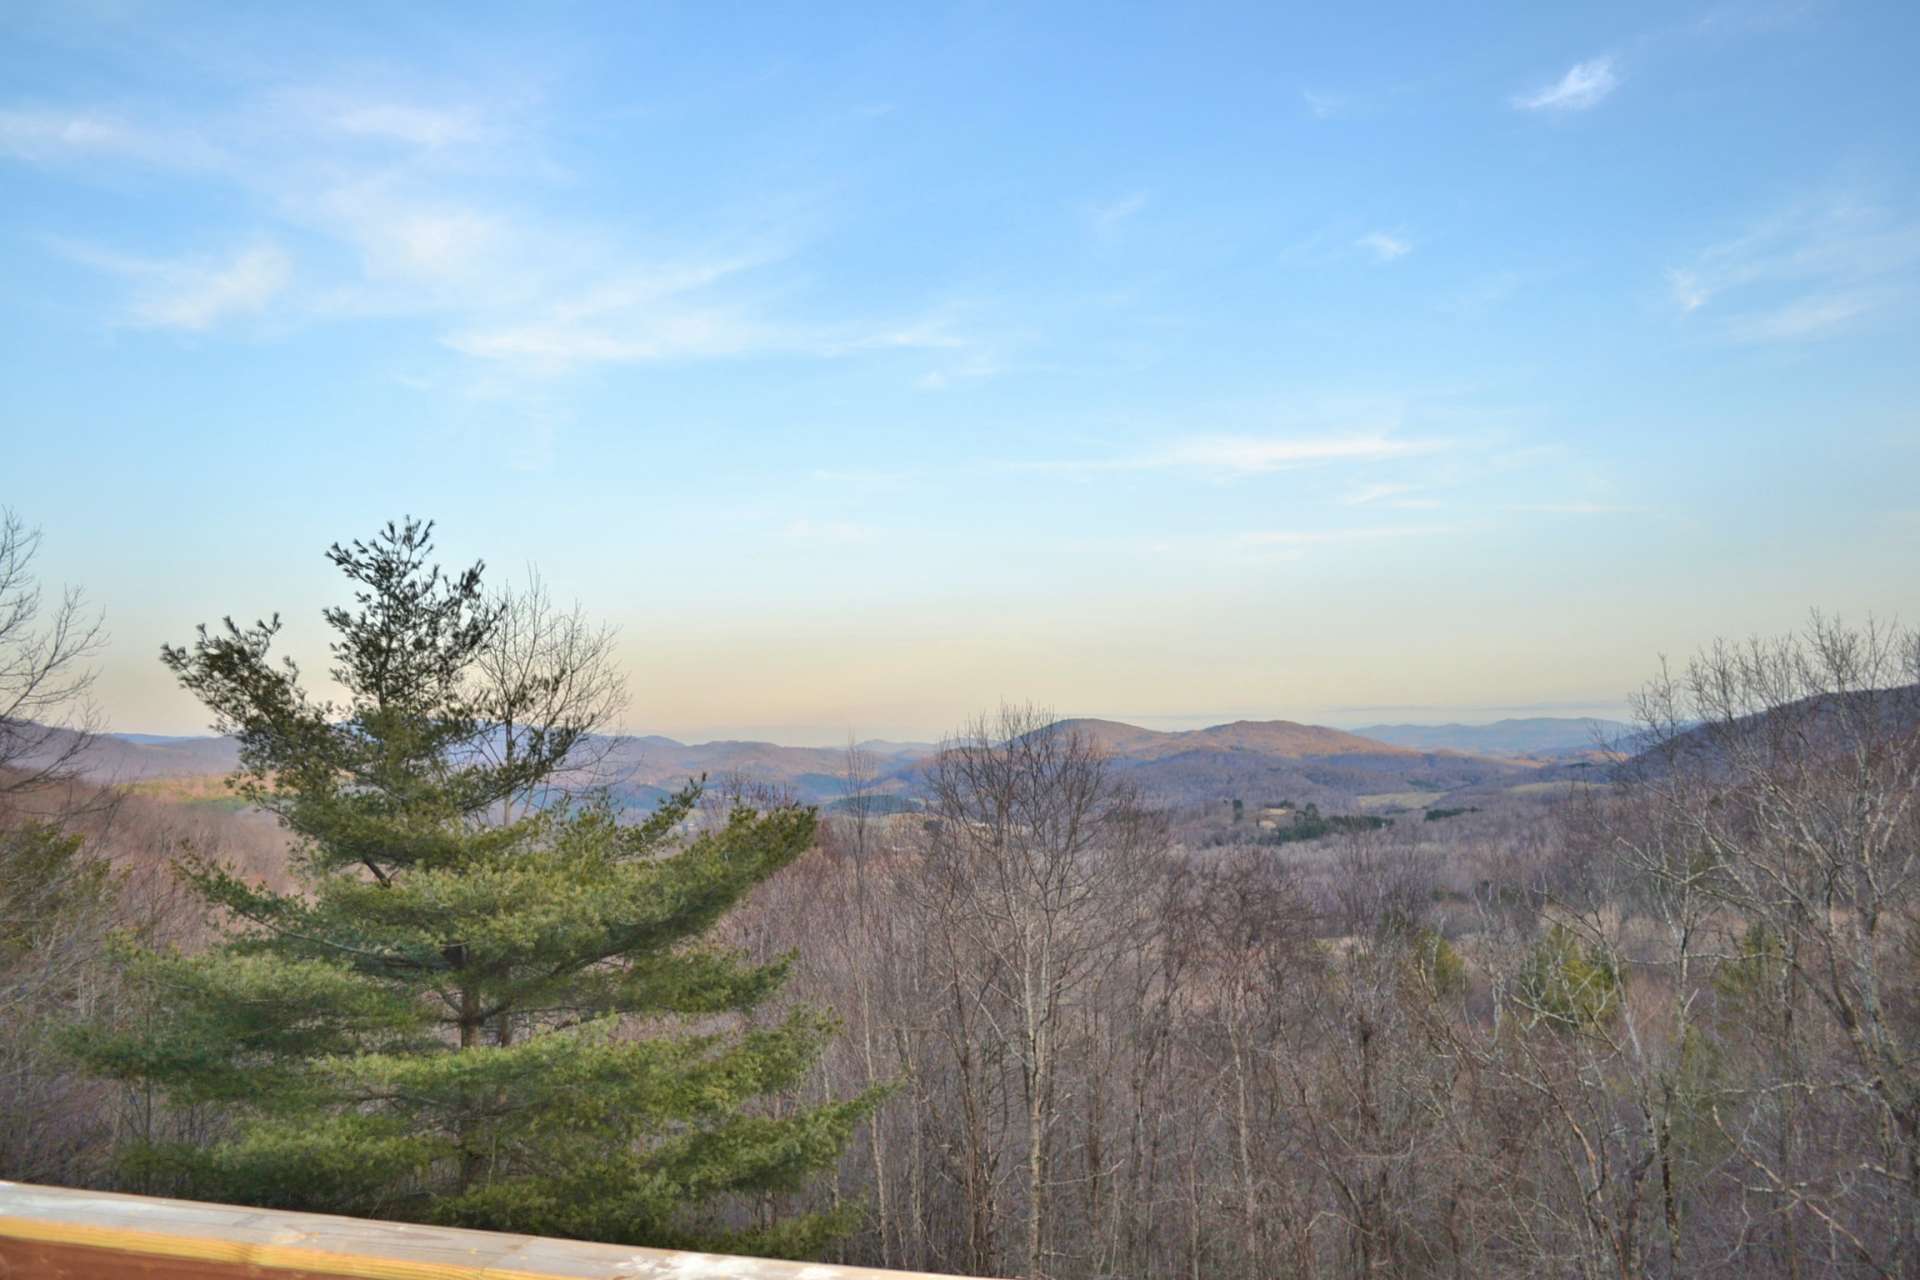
(1689, 292)
(638, 340)
(1108, 219)
(1816, 268)
(410, 238)
(1254, 454)
(37, 135)
(195, 296)
(1388, 494)
(1816, 316)
(1586, 84)
(196, 293)
(685, 311)
(1384, 247)
(397, 122)
(1749, 16)
(928, 333)
(44, 136)
(524, 287)
(1244, 455)
(1356, 101)
(959, 354)
(1322, 106)
(667, 311)
(953, 374)
(446, 125)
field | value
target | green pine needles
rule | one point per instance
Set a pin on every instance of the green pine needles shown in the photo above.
(470, 1013)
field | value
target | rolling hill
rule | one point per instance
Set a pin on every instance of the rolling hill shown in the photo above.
(1265, 761)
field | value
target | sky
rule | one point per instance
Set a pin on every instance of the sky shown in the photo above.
(867, 365)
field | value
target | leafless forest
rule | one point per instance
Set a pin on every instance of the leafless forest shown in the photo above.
(1662, 1026)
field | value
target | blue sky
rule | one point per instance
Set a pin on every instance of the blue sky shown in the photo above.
(868, 364)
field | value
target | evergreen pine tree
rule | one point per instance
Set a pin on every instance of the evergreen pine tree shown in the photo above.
(459, 1018)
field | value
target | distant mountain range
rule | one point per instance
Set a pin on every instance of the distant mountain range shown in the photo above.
(1379, 769)
(1255, 760)
(1537, 736)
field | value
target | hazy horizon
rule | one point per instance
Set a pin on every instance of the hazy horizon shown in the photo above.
(824, 736)
(869, 366)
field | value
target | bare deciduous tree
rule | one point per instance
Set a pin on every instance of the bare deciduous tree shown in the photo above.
(550, 688)
(1041, 852)
(46, 721)
(1791, 769)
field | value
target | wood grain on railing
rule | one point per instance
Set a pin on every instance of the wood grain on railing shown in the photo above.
(52, 1233)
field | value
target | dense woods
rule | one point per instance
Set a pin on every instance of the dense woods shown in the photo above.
(1666, 1025)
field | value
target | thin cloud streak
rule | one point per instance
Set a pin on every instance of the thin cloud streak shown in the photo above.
(1584, 86)
(194, 294)
(1814, 269)
(1322, 106)
(1814, 316)
(418, 126)
(1321, 537)
(1389, 494)
(1108, 219)
(198, 297)
(1255, 455)
(63, 136)
(1384, 247)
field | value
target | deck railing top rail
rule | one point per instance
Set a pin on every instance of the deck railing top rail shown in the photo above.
(52, 1233)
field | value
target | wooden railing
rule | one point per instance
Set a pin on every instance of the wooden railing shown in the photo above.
(50, 1233)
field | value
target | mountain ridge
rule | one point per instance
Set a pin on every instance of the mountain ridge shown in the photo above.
(1279, 758)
